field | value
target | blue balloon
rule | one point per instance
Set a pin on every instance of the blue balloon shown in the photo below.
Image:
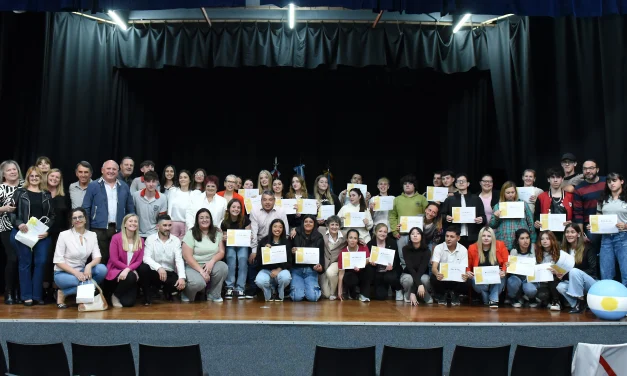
(607, 299)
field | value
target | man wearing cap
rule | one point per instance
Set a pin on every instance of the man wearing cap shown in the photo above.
(571, 178)
(138, 183)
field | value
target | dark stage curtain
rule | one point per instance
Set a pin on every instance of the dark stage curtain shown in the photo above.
(88, 95)
(580, 80)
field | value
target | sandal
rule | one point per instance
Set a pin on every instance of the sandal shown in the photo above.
(61, 297)
(61, 305)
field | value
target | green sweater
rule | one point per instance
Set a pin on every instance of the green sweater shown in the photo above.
(406, 206)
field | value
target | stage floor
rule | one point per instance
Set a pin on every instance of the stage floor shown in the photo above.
(322, 312)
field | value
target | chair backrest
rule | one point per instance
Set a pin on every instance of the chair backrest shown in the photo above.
(471, 361)
(595, 359)
(37, 359)
(176, 360)
(403, 361)
(330, 361)
(539, 361)
(102, 360)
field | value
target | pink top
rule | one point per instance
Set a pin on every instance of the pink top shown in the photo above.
(487, 208)
(118, 257)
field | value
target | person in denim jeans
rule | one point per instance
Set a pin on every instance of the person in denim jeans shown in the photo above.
(236, 256)
(305, 276)
(517, 286)
(274, 278)
(614, 246)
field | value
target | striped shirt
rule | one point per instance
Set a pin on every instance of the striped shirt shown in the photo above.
(586, 199)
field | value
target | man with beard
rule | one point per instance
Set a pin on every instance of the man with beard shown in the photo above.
(163, 262)
(587, 193)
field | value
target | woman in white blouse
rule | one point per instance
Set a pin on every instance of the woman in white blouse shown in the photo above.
(74, 247)
(357, 204)
(179, 200)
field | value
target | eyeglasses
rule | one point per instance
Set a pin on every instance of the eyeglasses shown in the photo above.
(231, 181)
(79, 218)
(461, 182)
(487, 181)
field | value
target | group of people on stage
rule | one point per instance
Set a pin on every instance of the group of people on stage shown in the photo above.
(169, 234)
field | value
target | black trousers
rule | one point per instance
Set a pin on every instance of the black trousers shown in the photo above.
(440, 287)
(364, 278)
(382, 282)
(149, 277)
(104, 239)
(125, 290)
(547, 291)
(10, 268)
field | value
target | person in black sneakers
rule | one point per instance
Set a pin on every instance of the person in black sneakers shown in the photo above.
(548, 252)
(452, 252)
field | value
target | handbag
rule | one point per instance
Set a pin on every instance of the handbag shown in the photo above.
(99, 303)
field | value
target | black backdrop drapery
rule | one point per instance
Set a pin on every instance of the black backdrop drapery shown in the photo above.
(87, 98)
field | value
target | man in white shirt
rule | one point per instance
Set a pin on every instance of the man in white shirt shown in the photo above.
(163, 262)
(260, 219)
(450, 252)
(78, 188)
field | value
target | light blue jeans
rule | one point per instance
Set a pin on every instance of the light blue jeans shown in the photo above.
(576, 286)
(68, 283)
(267, 283)
(305, 284)
(613, 248)
(236, 259)
(489, 292)
(514, 284)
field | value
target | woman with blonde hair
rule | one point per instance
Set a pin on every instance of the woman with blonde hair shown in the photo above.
(126, 254)
(488, 251)
(264, 181)
(44, 164)
(505, 228)
(10, 180)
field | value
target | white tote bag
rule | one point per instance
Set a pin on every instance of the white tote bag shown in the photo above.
(85, 293)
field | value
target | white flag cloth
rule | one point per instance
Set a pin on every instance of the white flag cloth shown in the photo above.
(599, 360)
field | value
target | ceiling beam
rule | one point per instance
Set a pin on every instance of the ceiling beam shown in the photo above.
(204, 13)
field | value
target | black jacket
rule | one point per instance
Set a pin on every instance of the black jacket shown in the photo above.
(288, 250)
(588, 264)
(22, 208)
(471, 200)
(313, 240)
(389, 244)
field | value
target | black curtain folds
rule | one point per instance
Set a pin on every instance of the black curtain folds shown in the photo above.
(87, 95)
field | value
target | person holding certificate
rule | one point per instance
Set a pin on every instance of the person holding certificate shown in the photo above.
(324, 196)
(576, 283)
(381, 216)
(356, 276)
(32, 201)
(555, 201)
(264, 181)
(548, 252)
(357, 204)
(455, 256)
(298, 189)
(236, 255)
(307, 263)
(518, 288)
(415, 278)
(614, 246)
(334, 241)
(488, 195)
(505, 228)
(462, 198)
(388, 275)
(487, 252)
(274, 277)
(529, 178)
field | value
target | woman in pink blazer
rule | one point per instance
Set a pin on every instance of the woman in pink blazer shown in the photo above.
(126, 254)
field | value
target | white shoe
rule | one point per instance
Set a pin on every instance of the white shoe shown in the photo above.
(399, 295)
(332, 297)
(406, 297)
(115, 301)
(363, 298)
(214, 299)
(184, 298)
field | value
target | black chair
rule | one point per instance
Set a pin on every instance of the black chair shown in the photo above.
(102, 360)
(402, 361)
(176, 360)
(37, 359)
(539, 361)
(3, 362)
(330, 361)
(480, 361)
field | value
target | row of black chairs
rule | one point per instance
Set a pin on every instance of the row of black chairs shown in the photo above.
(467, 361)
(50, 359)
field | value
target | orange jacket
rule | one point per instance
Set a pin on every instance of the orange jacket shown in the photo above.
(502, 255)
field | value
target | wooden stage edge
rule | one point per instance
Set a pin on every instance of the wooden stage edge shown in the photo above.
(387, 313)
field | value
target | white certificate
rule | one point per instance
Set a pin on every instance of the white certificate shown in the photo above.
(326, 211)
(362, 187)
(307, 256)
(552, 222)
(383, 203)
(273, 255)
(306, 206)
(604, 224)
(522, 265)
(407, 223)
(382, 256)
(31, 237)
(512, 209)
(524, 193)
(352, 260)
(464, 214)
(437, 193)
(542, 274)
(252, 203)
(354, 219)
(453, 272)
(248, 193)
(565, 263)
(238, 238)
(487, 275)
(288, 205)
